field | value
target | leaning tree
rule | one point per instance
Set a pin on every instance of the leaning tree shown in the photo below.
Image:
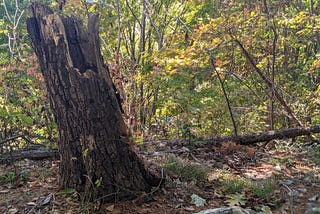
(95, 151)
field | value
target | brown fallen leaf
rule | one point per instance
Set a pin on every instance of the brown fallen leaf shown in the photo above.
(110, 208)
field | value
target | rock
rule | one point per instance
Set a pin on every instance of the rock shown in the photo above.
(12, 211)
(227, 210)
(313, 209)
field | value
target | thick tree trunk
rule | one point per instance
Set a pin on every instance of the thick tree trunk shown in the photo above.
(96, 156)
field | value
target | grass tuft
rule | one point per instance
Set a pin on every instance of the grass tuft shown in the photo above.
(185, 169)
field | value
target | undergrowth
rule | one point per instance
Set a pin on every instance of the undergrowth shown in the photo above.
(185, 169)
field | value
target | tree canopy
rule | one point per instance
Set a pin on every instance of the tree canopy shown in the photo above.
(183, 69)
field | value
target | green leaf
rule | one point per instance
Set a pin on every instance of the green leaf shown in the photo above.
(3, 113)
(98, 182)
(197, 200)
(66, 191)
(236, 199)
(26, 119)
(266, 210)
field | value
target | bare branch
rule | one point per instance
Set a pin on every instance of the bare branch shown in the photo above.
(249, 58)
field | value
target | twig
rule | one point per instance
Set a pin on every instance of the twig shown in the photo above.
(43, 202)
(18, 136)
(105, 196)
(154, 190)
(268, 82)
(290, 193)
(160, 182)
(11, 138)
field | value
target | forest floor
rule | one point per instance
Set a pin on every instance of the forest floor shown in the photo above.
(277, 177)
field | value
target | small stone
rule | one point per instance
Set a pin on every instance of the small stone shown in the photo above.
(277, 168)
(190, 209)
(315, 198)
(12, 211)
(4, 191)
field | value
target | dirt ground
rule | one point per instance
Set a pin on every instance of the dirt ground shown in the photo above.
(26, 185)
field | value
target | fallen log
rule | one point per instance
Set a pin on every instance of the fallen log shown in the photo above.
(247, 139)
(39, 152)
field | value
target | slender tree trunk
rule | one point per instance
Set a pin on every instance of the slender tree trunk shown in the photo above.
(142, 49)
(96, 156)
(285, 64)
(235, 131)
(272, 88)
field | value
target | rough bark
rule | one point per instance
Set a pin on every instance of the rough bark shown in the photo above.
(96, 156)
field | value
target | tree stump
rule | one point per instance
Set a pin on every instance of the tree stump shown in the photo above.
(95, 151)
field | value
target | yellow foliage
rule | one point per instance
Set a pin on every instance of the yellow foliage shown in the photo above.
(54, 4)
(300, 32)
(173, 71)
(216, 40)
(219, 63)
(263, 62)
(92, 8)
